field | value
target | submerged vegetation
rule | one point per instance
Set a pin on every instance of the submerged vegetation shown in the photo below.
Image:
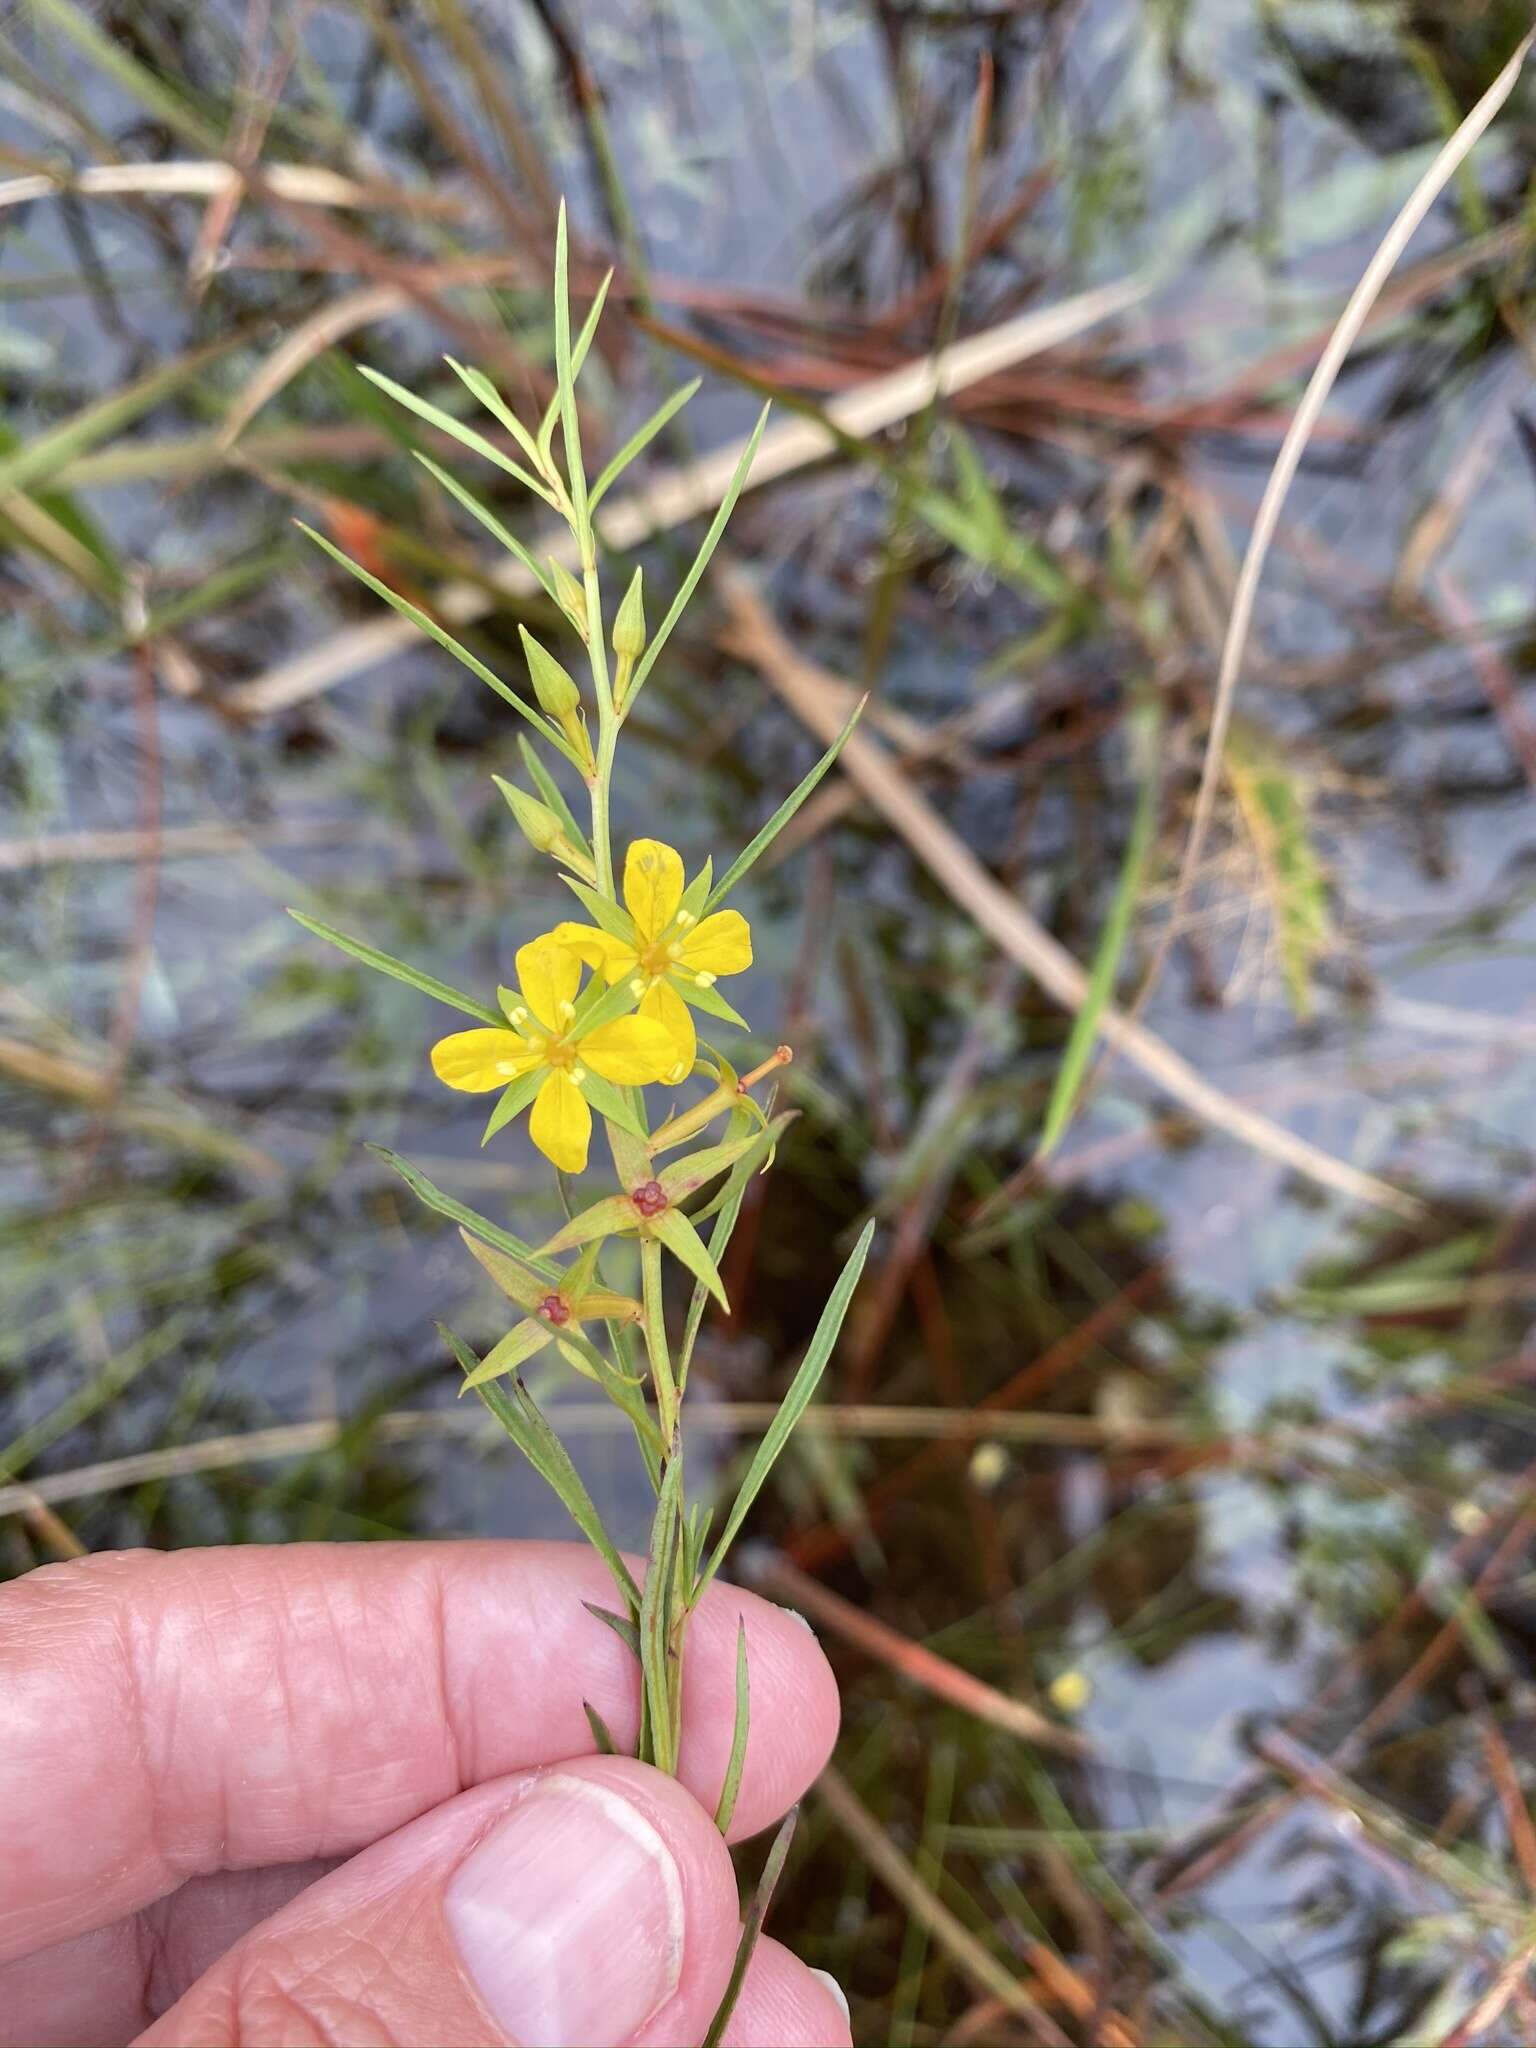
(1167, 1499)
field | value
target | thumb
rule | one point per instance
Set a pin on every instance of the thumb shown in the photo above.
(590, 1903)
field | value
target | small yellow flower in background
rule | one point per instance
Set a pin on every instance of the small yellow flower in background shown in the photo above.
(669, 951)
(538, 1039)
(1070, 1691)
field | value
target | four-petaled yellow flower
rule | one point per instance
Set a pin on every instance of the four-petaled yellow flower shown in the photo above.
(671, 953)
(539, 1039)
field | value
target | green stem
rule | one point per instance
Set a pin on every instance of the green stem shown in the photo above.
(656, 1341)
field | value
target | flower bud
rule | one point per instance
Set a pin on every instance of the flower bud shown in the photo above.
(569, 595)
(629, 625)
(554, 687)
(543, 830)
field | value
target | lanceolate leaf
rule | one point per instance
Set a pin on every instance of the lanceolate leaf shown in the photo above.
(631, 1161)
(707, 547)
(457, 431)
(515, 1277)
(385, 963)
(686, 1176)
(457, 1212)
(607, 916)
(752, 1927)
(488, 520)
(754, 851)
(639, 439)
(519, 1416)
(686, 1245)
(611, 1102)
(622, 1626)
(794, 1404)
(445, 640)
(738, 1756)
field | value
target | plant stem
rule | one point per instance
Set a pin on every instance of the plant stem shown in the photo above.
(656, 1342)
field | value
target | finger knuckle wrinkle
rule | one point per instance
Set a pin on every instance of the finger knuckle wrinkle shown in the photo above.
(338, 2008)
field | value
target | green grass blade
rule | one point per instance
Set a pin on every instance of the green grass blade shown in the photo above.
(754, 851)
(386, 963)
(640, 439)
(795, 1402)
(738, 1757)
(1106, 961)
(707, 547)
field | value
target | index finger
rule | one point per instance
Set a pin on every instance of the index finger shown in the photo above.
(169, 1715)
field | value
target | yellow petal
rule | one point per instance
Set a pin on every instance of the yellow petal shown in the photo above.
(561, 1123)
(676, 1019)
(478, 1061)
(630, 1051)
(653, 886)
(549, 976)
(721, 944)
(603, 953)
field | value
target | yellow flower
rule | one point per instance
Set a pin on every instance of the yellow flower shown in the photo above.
(539, 1040)
(670, 952)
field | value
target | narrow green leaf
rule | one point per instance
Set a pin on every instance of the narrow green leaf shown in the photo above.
(445, 640)
(386, 963)
(578, 357)
(656, 1619)
(622, 1626)
(687, 1175)
(599, 1727)
(487, 518)
(480, 386)
(795, 1402)
(738, 1757)
(755, 850)
(526, 1341)
(519, 1416)
(456, 429)
(639, 439)
(457, 1212)
(570, 424)
(707, 547)
(550, 790)
(686, 1245)
(1106, 964)
(512, 1101)
(752, 1927)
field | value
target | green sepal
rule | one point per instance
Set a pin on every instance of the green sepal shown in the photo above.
(514, 1099)
(549, 789)
(520, 1344)
(518, 1281)
(686, 1245)
(631, 1160)
(709, 1000)
(686, 1176)
(611, 1103)
(609, 916)
(601, 1003)
(603, 1219)
(696, 895)
(386, 963)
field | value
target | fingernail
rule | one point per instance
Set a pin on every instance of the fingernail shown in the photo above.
(569, 1917)
(836, 1990)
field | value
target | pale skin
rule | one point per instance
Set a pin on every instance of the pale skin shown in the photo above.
(238, 1787)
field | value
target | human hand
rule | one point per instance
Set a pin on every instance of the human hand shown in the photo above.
(346, 1794)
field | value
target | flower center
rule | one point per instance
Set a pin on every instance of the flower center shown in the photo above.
(554, 1308)
(557, 1053)
(650, 1198)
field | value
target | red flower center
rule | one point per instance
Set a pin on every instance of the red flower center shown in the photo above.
(554, 1308)
(650, 1198)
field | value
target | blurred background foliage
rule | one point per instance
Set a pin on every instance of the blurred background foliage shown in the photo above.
(1222, 1475)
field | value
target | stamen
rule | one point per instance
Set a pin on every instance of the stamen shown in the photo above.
(567, 1012)
(579, 1075)
(638, 986)
(519, 1016)
(705, 979)
(684, 919)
